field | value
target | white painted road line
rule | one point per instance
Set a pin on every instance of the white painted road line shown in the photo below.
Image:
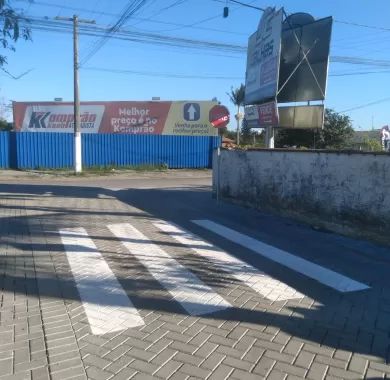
(316, 272)
(260, 282)
(195, 297)
(106, 304)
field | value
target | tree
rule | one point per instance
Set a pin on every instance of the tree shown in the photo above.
(237, 97)
(224, 132)
(246, 132)
(336, 134)
(296, 138)
(11, 30)
(5, 125)
(337, 130)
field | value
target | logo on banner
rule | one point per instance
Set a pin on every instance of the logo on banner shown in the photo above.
(60, 118)
(191, 111)
(38, 120)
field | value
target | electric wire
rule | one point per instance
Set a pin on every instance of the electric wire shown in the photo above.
(133, 7)
(383, 100)
(163, 75)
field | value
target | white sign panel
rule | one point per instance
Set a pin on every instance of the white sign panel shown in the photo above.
(263, 57)
(60, 118)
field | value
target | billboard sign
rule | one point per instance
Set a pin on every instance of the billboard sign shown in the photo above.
(262, 115)
(304, 60)
(262, 70)
(147, 118)
(302, 117)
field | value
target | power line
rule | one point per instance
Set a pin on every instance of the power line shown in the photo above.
(78, 9)
(182, 26)
(123, 34)
(247, 5)
(363, 25)
(337, 21)
(361, 61)
(129, 10)
(158, 39)
(208, 76)
(200, 21)
(366, 105)
(163, 75)
(359, 73)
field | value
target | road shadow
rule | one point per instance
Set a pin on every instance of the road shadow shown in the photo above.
(357, 322)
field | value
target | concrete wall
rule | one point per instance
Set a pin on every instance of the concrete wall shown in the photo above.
(348, 189)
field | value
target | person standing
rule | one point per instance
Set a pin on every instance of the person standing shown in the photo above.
(385, 137)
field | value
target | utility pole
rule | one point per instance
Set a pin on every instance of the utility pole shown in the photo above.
(77, 162)
(270, 137)
(239, 116)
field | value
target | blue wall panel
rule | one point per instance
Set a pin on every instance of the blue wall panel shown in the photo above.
(4, 150)
(42, 150)
(26, 150)
(125, 150)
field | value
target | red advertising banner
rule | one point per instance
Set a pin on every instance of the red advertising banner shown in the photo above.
(262, 115)
(268, 114)
(191, 118)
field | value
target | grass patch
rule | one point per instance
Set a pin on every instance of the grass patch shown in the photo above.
(102, 169)
(106, 169)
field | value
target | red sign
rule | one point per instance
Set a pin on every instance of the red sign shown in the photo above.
(219, 116)
(268, 115)
(262, 115)
(195, 118)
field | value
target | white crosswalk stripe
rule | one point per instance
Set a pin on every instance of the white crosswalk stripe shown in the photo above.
(261, 283)
(323, 275)
(108, 307)
(195, 297)
(106, 304)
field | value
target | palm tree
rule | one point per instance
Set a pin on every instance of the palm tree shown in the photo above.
(237, 97)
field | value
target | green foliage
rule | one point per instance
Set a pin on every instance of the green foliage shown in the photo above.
(4, 125)
(237, 96)
(10, 29)
(227, 133)
(246, 133)
(337, 131)
(336, 134)
(372, 145)
(296, 138)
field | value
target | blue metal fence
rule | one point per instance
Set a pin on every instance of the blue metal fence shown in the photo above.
(4, 150)
(55, 150)
(42, 150)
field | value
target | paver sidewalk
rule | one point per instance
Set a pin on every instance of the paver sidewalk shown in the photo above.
(45, 332)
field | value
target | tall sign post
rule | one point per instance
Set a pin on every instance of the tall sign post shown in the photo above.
(262, 72)
(287, 62)
(76, 98)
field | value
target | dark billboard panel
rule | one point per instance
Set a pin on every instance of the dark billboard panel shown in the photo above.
(301, 117)
(299, 84)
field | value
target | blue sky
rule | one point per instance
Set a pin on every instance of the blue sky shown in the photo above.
(49, 55)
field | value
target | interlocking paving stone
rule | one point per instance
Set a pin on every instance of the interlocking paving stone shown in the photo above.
(87, 267)
(317, 371)
(260, 282)
(187, 289)
(44, 330)
(315, 271)
(124, 374)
